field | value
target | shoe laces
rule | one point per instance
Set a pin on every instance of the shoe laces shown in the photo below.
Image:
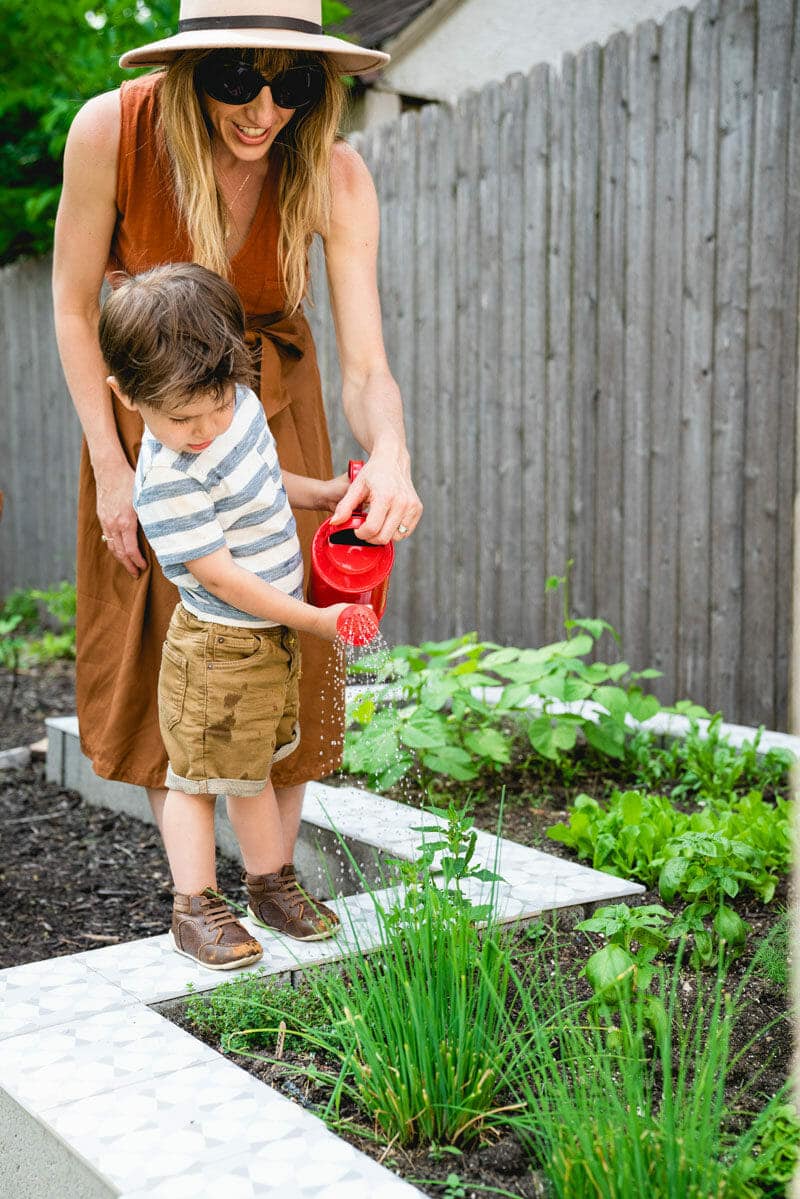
(216, 912)
(290, 887)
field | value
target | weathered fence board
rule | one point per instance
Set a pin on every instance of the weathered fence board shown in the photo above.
(694, 510)
(764, 333)
(787, 484)
(589, 280)
(608, 523)
(733, 226)
(634, 624)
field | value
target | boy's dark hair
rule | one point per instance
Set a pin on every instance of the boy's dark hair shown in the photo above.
(173, 333)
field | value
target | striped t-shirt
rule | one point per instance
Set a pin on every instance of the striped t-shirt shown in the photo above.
(230, 494)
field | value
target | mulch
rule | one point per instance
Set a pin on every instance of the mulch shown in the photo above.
(73, 877)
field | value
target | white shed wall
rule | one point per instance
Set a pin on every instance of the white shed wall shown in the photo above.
(484, 40)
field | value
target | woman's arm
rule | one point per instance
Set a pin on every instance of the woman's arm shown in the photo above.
(84, 228)
(370, 396)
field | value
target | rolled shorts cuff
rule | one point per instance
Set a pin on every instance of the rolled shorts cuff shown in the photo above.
(246, 787)
(284, 750)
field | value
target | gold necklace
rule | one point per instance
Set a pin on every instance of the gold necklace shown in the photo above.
(230, 223)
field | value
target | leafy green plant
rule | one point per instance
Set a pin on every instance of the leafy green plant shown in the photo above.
(619, 963)
(32, 640)
(769, 1171)
(627, 837)
(254, 1000)
(460, 706)
(702, 857)
(771, 958)
(703, 765)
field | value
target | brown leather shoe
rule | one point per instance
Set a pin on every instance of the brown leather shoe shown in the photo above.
(205, 929)
(277, 901)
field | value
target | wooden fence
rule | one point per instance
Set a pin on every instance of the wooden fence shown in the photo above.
(589, 281)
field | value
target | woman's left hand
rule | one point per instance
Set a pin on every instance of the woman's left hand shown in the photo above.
(383, 487)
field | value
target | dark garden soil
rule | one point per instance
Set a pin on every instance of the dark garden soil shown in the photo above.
(26, 700)
(74, 877)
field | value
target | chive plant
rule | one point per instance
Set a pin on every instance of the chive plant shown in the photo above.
(419, 1027)
(611, 1110)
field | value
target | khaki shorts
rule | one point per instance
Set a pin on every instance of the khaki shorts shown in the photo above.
(227, 704)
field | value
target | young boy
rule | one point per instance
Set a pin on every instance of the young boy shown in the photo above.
(214, 506)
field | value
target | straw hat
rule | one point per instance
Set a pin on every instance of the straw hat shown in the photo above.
(255, 24)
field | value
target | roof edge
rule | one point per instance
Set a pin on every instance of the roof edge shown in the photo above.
(420, 27)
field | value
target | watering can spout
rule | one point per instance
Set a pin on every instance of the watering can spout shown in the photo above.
(357, 625)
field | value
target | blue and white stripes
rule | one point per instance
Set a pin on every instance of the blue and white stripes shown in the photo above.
(230, 494)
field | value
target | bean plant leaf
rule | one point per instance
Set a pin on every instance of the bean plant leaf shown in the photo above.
(450, 760)
(488, 743)
(609, 968)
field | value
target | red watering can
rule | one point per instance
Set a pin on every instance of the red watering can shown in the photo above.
(347, 570)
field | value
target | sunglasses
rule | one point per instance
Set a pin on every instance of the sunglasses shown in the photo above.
(234, 80)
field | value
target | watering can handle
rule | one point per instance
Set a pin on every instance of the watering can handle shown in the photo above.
(353, 469)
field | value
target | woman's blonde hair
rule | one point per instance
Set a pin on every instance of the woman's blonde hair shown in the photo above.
(304, 196)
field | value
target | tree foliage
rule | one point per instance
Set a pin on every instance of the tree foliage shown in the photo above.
(56, 55)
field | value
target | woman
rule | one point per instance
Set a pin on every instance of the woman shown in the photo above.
(227, 156)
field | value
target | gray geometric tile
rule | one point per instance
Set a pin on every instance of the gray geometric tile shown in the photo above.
(40, 994)
(205, 1120)
(99, 1053)
(266, 1175)
(151, 971)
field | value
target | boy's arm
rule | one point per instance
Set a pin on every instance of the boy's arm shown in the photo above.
(316, 494)
(220, 574)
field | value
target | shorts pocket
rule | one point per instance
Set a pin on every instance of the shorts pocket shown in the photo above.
(227, 650)
(172, 681)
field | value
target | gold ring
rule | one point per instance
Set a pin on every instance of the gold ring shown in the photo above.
(402, 528)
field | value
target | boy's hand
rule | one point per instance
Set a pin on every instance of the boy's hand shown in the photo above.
(332, 490)
(327, 620)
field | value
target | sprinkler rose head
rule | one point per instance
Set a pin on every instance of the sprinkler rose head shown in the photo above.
(357, 625)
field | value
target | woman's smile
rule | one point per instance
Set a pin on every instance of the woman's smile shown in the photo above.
(251, 134)
(244, 128)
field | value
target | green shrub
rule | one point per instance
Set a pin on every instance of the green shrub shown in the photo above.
(24, 633)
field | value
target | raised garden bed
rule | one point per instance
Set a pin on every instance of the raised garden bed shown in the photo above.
(499, 1162)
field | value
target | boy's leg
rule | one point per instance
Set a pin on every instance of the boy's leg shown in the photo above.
(256, 820)
(188, 831)
(157, 797)
(275, 897)
(290, 808)
(203, 928)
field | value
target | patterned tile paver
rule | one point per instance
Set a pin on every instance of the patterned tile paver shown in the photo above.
(51, 992)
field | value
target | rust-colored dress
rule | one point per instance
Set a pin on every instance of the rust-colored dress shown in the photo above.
(121, 620)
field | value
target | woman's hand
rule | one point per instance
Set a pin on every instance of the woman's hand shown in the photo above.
(117, 517)
(383, 487)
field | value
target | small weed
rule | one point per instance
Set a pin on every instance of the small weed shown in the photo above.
(771, 958)
(250, 1003)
